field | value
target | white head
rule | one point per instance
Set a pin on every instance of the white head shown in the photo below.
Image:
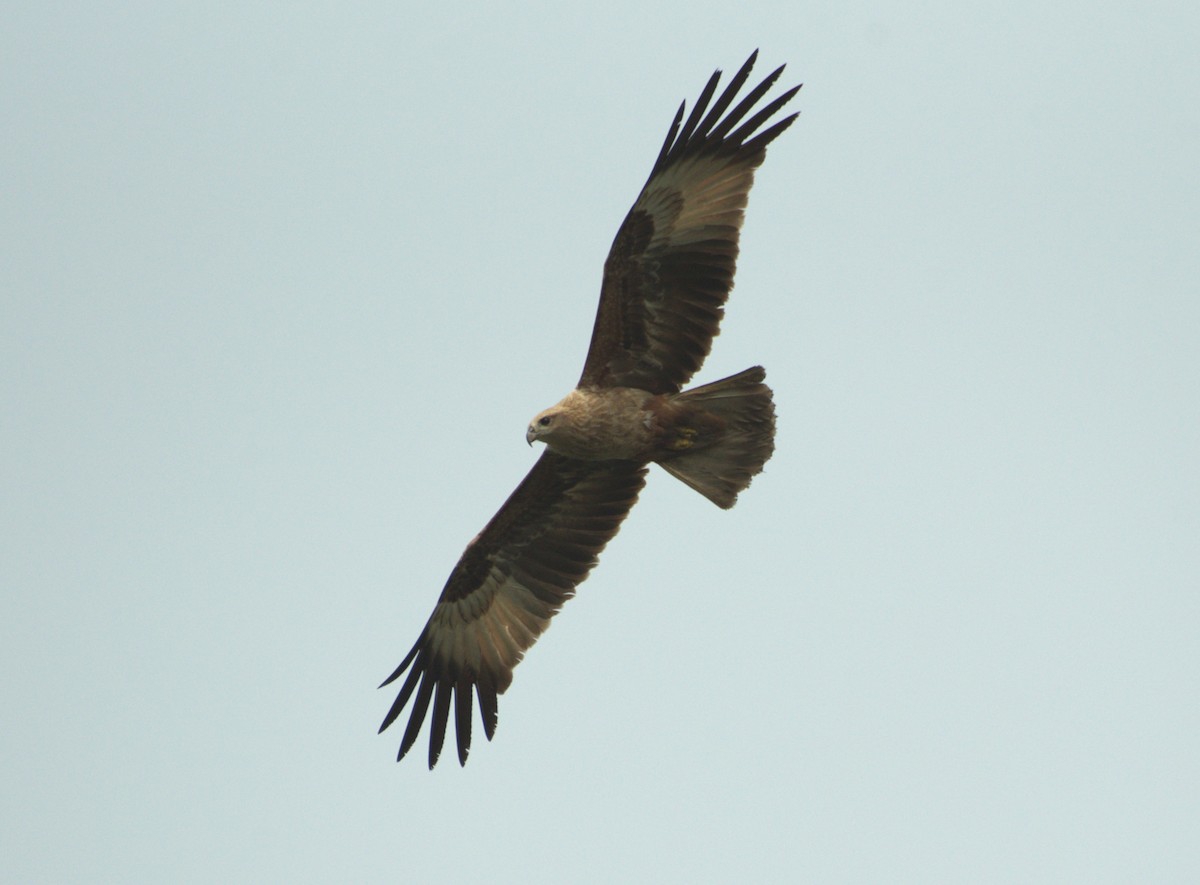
(542, 425)
(554, 424)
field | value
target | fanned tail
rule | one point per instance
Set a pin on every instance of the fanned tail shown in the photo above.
(721, 468)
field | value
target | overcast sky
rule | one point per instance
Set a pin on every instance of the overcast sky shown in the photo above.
(281, 290)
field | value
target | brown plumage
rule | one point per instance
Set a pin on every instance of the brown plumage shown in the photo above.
(666, 280)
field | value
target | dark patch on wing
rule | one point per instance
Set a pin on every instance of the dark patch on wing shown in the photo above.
(671, 265)
(509, 583)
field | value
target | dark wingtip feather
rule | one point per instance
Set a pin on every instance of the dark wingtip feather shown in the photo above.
(672, 131)
(721, 132)
(767, 136)
(693, 120)
(462, 718)
(727, 97)
(402, 698)
(408, 659)
(714, 130)
(489, 708)
(437, 725)
(747, 129)
(417, 717)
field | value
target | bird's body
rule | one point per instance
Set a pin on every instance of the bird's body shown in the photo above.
(666, 280)
(729, 426)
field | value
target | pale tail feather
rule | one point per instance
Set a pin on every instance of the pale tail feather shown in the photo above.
(721, 470)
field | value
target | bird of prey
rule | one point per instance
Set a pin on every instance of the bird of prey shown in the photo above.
(666, 280)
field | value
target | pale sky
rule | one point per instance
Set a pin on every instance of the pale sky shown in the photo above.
(282, 287)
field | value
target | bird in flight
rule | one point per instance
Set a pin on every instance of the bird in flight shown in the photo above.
(666, 280)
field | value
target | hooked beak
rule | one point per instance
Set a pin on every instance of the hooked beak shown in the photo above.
(530, 435)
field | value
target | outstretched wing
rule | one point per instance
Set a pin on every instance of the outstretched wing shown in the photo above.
(508, 584)
(671, 264)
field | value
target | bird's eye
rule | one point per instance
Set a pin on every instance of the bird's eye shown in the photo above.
(544, 421)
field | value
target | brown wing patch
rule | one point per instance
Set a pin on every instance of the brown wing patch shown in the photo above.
(509, 583)
(671, 265)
